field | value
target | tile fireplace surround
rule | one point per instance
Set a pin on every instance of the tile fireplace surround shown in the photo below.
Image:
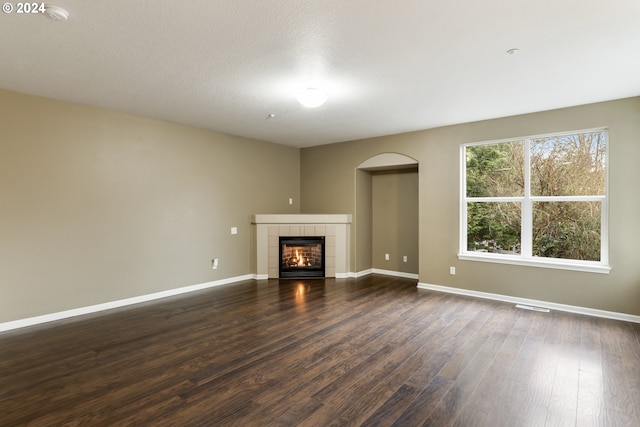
(335, 228)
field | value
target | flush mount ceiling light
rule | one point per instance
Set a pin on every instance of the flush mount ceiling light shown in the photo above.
(56, 13)
(312, 97)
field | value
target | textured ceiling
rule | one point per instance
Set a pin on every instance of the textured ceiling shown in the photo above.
(389, 66)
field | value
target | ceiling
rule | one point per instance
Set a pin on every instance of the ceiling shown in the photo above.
(388, 66)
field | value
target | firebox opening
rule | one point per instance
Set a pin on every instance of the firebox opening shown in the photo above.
(302, 256)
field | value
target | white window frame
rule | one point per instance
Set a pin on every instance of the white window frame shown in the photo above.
(526, 258)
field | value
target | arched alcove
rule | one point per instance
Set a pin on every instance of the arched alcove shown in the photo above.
(388, 161)
(386, 214)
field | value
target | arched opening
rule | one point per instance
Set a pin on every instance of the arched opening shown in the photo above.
(386, 213)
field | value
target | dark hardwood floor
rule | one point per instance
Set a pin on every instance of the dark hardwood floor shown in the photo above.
(373, 351)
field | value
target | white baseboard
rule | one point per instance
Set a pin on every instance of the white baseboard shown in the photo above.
(22, 323)
(31, 321)
(544, 304)
(352, 274)
(395, 273)
(357, 274)
(362, 273)
(344, 275)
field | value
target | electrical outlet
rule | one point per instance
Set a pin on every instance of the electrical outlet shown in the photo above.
(452, 271)
(290, 201)
(214, 263)
(234, 230)
(386, 257)
(404, 258)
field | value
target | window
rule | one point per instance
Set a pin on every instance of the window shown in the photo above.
(537, 201)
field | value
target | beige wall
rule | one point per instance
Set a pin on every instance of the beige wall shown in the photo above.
(395, 220)
(362, 230)
(99, 206)
(328, 184)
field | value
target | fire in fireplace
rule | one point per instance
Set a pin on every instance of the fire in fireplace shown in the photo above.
(302, 256)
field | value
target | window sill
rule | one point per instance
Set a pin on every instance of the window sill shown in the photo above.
(554, 264)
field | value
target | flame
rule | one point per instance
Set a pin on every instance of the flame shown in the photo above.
(295, 259)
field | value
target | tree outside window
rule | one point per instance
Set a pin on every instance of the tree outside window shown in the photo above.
(537, 198)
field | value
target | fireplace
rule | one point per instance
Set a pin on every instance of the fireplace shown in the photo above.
(302, 256)
(335, 228)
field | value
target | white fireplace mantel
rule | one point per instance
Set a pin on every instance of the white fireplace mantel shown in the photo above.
(302, 219)
(334, 227)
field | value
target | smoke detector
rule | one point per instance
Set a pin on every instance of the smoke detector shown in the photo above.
(56, 13)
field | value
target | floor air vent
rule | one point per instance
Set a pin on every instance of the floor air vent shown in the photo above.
(532, 308)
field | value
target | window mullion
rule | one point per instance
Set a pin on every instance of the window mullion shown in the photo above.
(604, 232)
(527, 215)
(462, 229)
